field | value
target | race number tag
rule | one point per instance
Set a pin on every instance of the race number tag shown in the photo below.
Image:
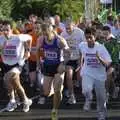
(92, 60)
(10, 51)
(51, 55)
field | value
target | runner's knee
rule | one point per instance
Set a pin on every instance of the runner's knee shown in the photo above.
(58, 82)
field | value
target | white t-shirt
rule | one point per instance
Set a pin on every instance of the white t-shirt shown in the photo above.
(13, 48)
(116, 32)
(92, 66)
(73, 40)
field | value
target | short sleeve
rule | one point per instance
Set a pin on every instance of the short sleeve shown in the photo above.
(25, 37)
(81, 46)
(104, 53)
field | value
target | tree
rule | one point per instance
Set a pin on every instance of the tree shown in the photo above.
(5, 8)
(22, 8)
(71, 8)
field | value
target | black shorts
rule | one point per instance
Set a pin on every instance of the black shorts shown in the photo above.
(73, 64)
(32, 66)
(50, 70)
(7, 68)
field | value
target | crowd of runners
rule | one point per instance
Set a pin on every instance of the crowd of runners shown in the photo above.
(85, 53)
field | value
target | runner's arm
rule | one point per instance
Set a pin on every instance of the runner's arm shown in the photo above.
(27, 45)
(66, 49)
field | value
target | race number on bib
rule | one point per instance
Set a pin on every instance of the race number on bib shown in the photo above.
(71, 42)
(10, 51)
(92, 60)
(50, 55)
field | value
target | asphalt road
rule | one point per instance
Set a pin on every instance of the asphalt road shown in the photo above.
(38, 112)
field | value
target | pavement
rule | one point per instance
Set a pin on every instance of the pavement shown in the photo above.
(66, 112)
(44, 114)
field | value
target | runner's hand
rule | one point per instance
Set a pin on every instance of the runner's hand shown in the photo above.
(26, 55)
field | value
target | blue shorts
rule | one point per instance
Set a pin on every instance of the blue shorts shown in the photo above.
(50, 70)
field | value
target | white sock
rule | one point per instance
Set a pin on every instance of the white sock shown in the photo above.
(12, 101)
(54, 110)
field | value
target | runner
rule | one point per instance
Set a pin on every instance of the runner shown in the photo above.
(111, 43)
(93, 72)
(52, 48)
(31, 30)
(14, 53)
(74, 36)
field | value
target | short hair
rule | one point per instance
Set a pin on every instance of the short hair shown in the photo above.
(90, 30)
(107, 28)
(52, 20)
(57, 16)
(68, 22)
(7, 22)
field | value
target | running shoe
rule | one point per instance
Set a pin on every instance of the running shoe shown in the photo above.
(11, 106)
(87, 106)
(41, 100)
(54, 115)
(26, 105)
(72, 100)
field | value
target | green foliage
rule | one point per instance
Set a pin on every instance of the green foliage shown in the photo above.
(22, 8)
(71, 8)
(5, 8)
(102, 16)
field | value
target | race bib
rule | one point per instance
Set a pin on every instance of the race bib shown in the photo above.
(74, 53)
(50, 55)
(10, 51)
(92, 61)
(71, 43)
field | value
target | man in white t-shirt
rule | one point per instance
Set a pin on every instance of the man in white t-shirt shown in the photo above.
(15, 50)
(74, 36)
(94, 61)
